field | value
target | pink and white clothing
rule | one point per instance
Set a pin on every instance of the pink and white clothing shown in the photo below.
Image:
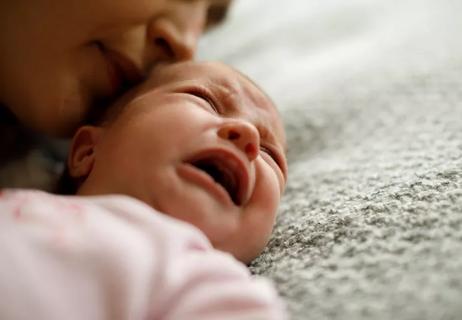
(113, 257)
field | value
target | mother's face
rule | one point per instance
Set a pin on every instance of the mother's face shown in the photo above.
(58, 58)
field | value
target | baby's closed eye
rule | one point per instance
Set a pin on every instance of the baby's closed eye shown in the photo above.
(202, 94)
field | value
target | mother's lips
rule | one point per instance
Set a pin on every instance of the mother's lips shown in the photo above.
(226, 169)
(121, 70)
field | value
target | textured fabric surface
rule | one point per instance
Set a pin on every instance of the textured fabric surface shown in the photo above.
(371, 93)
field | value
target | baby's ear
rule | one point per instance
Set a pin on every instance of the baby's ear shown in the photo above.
(82, 151)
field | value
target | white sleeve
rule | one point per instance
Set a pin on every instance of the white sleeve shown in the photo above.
(115, 258)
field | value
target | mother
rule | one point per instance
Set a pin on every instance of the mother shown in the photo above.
(58, 58)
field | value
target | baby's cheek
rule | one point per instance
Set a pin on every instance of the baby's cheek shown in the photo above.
(273, 177)
(273, 168)
(267, 192)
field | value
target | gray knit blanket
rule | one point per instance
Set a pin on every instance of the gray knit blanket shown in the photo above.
(370, 226)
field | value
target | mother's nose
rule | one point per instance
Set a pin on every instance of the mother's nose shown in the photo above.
(175, 33)
(243, 135)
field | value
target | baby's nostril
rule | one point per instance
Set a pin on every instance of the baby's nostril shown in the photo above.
(233, 135)
(250, 148)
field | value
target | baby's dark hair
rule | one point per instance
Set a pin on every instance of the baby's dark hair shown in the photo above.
(66, 184)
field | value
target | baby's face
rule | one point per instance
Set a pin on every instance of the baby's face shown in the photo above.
(201, 143)
(58, 58)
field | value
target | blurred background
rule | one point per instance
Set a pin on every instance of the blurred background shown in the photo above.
(294, 47)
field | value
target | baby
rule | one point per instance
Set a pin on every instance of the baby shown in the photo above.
(204, 150)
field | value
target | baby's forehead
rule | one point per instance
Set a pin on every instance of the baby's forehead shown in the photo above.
(212, 75)
(227, 82)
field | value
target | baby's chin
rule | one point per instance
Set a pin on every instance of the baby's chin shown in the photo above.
(228, 232)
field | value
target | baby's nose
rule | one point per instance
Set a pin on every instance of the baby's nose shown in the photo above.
(243, 135)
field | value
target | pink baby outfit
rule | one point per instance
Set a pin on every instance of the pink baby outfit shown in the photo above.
(113, 257)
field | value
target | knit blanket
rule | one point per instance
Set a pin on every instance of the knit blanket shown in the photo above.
(370, 226)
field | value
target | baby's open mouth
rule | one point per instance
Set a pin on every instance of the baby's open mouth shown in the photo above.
(220, 175)
(226, 170)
